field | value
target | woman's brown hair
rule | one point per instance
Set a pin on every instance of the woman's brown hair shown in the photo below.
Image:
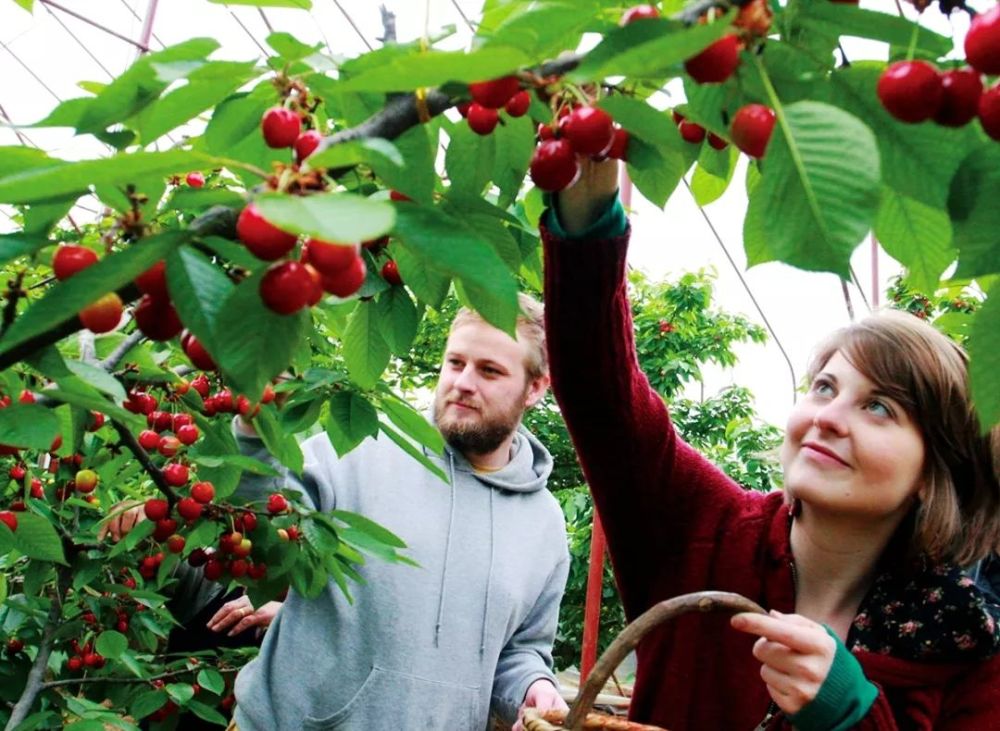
(958, 519)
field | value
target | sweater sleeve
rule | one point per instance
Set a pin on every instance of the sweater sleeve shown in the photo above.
(661, 502)
(527, 656)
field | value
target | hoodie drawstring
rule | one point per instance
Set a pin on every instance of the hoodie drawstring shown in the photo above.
(489, 580)
(447, 550)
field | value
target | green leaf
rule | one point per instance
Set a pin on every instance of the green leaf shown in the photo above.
(206, 87)
(189, 199)
(111, 644)
(234, 253)
(916, 235)
(26, 4)
(211, 680)
(444, 243)
(206, 712)
(544, 29)
(76, 177)
(291, 48)
(236, 121)
(320, 536)
(417, 177)
(369, 527)
(28, 426)
(654, 175)
(365, 351)
(984, 360)
(142, 83)
(66, 298)
(515, 144)
(253, 344)
(433, 68)
(198, 289)
(713, 174)
(243, 462)
(648, 49)
(407, 446)
(350, 420)
(147, 703)
(329, 216)
(399, 319)
(282, 446)
(429, 284)
(99, 378)
(18, 244)
(371, 150)
(413, 423)
(972, 203)
(298, 4)
(641, 120)
(819, 191)
(37, 539)
(469, 160)
(847, 20)
(917, 160)
(70, 393)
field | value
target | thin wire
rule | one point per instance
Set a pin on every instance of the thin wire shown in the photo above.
(252, 36)
(266, 21)
(351, 22)
(78, 41)
(33, 74)
(746, 286)
(467, 21)
(861, 290)
(21, 136)
(95, 24)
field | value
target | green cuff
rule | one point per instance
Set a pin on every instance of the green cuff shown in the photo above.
(610, 224)
(843, 699)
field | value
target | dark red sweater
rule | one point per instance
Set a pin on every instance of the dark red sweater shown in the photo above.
(677, 524)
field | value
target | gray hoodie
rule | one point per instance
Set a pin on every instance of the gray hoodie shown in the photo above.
(435, 647)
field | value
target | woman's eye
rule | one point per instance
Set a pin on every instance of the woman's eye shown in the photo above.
(877, 407)
(823, 388)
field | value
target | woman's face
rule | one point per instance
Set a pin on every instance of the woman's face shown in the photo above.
(851, 451)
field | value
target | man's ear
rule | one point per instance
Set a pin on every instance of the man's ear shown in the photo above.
(536, 390)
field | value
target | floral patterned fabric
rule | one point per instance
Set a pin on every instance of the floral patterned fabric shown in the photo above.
(935, 613)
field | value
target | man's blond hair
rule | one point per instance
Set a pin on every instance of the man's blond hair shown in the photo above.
(530, 331)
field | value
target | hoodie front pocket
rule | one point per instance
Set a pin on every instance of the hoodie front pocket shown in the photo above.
(388, 699)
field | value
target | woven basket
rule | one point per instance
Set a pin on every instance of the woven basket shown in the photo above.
(578, 718)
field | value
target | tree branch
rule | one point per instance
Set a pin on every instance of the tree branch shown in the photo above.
(114, 358)
(10, 309)
(34, 684)
(388, 25)
(129, 440)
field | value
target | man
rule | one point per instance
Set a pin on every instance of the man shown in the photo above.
(468, 631)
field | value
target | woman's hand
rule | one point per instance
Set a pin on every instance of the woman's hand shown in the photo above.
(580, 205)
(795, 654)
(240, 615)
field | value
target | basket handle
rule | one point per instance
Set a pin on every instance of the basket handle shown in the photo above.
(701, 601)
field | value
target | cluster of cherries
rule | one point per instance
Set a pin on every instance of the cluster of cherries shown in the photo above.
(916, 91)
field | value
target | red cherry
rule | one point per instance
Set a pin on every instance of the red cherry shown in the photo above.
(180, 419)
(195, 179)
(14, 645)
(156, 509)
(258, 571)
(96, 421)
(189, 508)
(175, 544)
(160, 420)
(691, 132)
(281, 127)
(69, 259)
(197, 557)
(197, 354)
(224, 400)
(26, 397)
(639, 12)
(329, 257)
(203, 492)
(495, 93)
(960, 102)
(619, 145)
(517, 105)
(86, 481)
(277, 503)
(482, 120)
(164, 529)
(982, 42)
(213, 569)
(157, 319)
(678, 117)
(37, 491)
(149, 439)
(554, 165)
(8, 518)
(545, 132)
(590, 130)
(104, 314)
(249, 522)
(390, 273)
(285, 287)
(17, 472)
(175, 474)
(238, 568)
(306, 144)
(989, 112)
(169, 446)
(200, 385)
(395, 195)
(153, 281)
(348, 280)
(911, 91)
(264, 240)
(751, 129)
(717, 62)
(463, 109)
(188, 434)
(717, 142)
(314, 292)
(74, 664)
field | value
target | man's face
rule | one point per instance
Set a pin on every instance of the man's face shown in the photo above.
(483, 388)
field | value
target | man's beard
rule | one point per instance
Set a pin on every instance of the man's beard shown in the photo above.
(481, 436)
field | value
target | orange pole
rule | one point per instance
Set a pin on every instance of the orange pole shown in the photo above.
(592, 607)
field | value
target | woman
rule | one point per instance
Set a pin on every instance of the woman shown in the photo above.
(888, 490)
